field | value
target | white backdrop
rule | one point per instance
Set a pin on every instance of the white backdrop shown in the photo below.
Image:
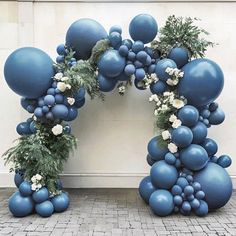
(112, 135)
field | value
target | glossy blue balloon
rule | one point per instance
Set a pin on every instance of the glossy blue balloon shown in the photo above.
(182, 136)
(60, 202)
(210, 146)
(33, 128)
(28, 72)
(146, 188)
(202, 82)
(163, 175)
(20, 206)
(161, 202)
(82, 36)
(217, 117)
(111, 63)
(188, 115)
(61, 49)
(23, 128)
(202, 210)
(25, 189)
(178, 200)
(179, 55)
(38, 112)
(199, 132)
(176, 190)
(44, 209)
(194, 157)
(60, 111)
(216, 184)
(224, 161)
(106, 84)
(150, 160)
(155, 151)
(158, 87)
(161, 68)
(143, 27)
(72, 113)
(182, 182)
(41, 195)
(18, 178)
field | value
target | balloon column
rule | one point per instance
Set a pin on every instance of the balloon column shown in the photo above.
(186, 176)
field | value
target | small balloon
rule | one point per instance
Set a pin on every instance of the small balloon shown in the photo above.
(146, 188)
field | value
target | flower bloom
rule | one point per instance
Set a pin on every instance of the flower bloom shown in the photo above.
(176, 123)
(165, 135)
(70, 100)
(57, 129)
(172, 148)
(177, 103)
(58, 76)
(61, 86)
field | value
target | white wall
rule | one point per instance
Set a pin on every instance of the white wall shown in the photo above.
(112, 135)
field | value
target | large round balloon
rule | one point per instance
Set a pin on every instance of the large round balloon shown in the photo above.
(199, 132)
(28, 72)
(146, 188)
(82, 35)
(202, 82)
(60, 202)
(44, 209)
(25, 189)
(188, 115)
(41, 195)
(143, 27)
(216, 184)
(179, 55)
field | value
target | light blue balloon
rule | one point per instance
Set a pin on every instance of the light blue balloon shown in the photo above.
(179, 55)
(158, 87)
(44, 209)
(199, 132)
(106, 84)
(182, 136)
(60, 202)
(41, 195)
(60, 111)
(146, 188)
(140, 74)
(217, 117)
(224, 161)
(38, 112)
(188, 115)
(25, 189)
(161, 67)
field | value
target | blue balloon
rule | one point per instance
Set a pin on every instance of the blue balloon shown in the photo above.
(60, 59)
(150, 161)
(49, 116)
(139, 74)
(25, 102)
(170, 158)
(194, 157)
(163, 175)
(82, 36)
(38, 112)
(115, 28)
(18, 178)
(137, 47)
(72, 113)
(60, 111)
(179, 55)
(186, 206)
(161, 67)
(178, 200)
(45, 109)
(158, 87)
(202, 210)
(49, 100)
(188, 115)
(217, 117)
(59, 184)
(128, 43)
(79, 103)
(25, 189)
(60, 202)
(182, 136)
(143, 27)
(20, 206)
(51, 91)
(142, 56)
(41, 195)
(154, 149)
(23, 128)
(131, 56)
(123, 50)
(199, 132)
(111, 63)
(122, 77)
(146, 188)
(28, 72)
(79, 94)
(129, 69)
(216, 184)
(33, 128)
(176, 190)
(224, 161)
(67, 129)
(59, 98)
(106, 84)
(44, 209)
(182, 182)
(188, 190)
(195, 203)
(210, 146)
(161, 202)
(202, 82)
(115, 39)
(61, 50)
(213, 106)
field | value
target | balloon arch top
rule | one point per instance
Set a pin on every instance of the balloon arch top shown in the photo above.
(186, 175)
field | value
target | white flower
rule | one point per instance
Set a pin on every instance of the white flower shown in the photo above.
(164, 107)
(171, 72)
(68, 86)
(34, 118)
(57, 129)
(61, 86)
(58, 76)
(167, 94)
(33, 179)
(154, 77)
(153, 97)
(39, 186)
(38, 176)
(172, 82)
(64, 78)
(176, 123)
(176, 72)
(156, 112)
(71, 101)
(158, 103)
(165, 134)
(121, 89)
(181, 74)
(177, 103)
(172, 148)
(168, 69)
(172, 118)
(33, 186)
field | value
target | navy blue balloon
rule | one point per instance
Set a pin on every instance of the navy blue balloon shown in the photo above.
(122, 77)
(115, 28)
(128, 43)
(79, 103)
(194, 157)
(41, 195)
(143, 27)
(146, 188)
(216, 117)
(182, 136)
(213, 106)
(60, 111)
(210, 146)
(20, 206)
(82, 36)
(115, 39)
(44, 209)
(23, 128)
(155, 150)
(61, 49)
(202, 82)
(106, 84)
(158, 87)
(163, 175)
(150, 160)
(161, 202)
(202, 210)
(18, 178)
(60, 202)
(25, 189)
(72, 113)
(28, 72)
(79, 94)
(216, 184)
(123, 50)
(179, 55)
(199, 132)
(137, 47)
(224, 161)
(161, 67)
(188, 115)
(111, 63)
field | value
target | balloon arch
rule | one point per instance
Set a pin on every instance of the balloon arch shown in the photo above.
(186, 175)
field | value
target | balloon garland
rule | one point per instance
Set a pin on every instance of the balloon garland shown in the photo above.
(185, 174)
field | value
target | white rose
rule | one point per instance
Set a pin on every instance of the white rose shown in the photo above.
(39, 186)
(175, 81)
(64, 78)
(158, 103)
(177, 103)
(57, 129)
(58, 76)
(166, 94)
(71, 101)
(154, 77)
(33, 187)
(68, 86)
(33, 179)
(38, 176)
(168, 69)
(172, 148)
(153, 97)
(172, 118)
(181, 74)
(164, 107)
(61, 86)
(176, 123)
(170, 82)
(165, 134)
(171, 72)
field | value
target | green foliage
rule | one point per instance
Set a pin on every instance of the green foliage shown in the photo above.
(162, 120)
(161, 143)
(179, 31)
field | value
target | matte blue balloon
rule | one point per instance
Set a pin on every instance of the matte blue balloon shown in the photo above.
(106, 84)
(60, 111)
(49, 116)
(182, 182)
(138, 64)
(161, 202)
(176, 190)
(82, 36)
(41, 102)
(60, 59)
(79, 94)
(170, 158)
(115, 39)
(123, 50)
(150, 161)
(131, 56)
(202, 82)
(60, 202)
(129, 69)
(61, 49)
(20, 206)
(216, 184)
(45, 109)
(205, 113)
(163, 175)
(195, 203)
(200, 195)
(146, 188)
(186, 206)
(72, 113)
(38, 112)
(111, 63)
(224, 161)
(142, 56)
(18, 178)
(115, 28)
(143, 27)
(41, 195)
(194, 157)
(151, 69)
(44, 209)
(182, 136)
(199, 132)
(196, 186)
(155, 151)
(79, 103)
(161, 67)
(139, 73)
(202, 210)
(188, 190)
(25, 102)
(158, 87)
(128, 43)
(137, 46)
(179, 55)
(122, 77)
(213, 106)
(217, 117)
(178, 200)
(28, 72)
(210, 146)
(33, 128)
(25, 189)
(49, 100)
(23, 128)
(59, 98)
(188, 115)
